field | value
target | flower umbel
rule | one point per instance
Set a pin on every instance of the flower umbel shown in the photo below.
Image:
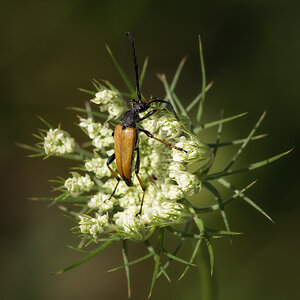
(173, 179)
(111, 102)
(58, 142)
(79, 184)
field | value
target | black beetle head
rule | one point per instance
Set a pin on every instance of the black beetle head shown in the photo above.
(139, 106)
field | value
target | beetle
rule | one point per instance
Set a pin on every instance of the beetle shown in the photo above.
(126, 135)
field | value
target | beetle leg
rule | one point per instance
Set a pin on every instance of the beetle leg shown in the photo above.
(150, 135)
(109, 161)
(147, 115)
(137, 168)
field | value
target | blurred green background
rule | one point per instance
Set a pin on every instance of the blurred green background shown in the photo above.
(50, 48)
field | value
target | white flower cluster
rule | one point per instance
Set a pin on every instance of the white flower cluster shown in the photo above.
(111, 102)
(58, 142)
(100, 134)
(168, 126)
(98, 166)
(196, 150)
(189, 183)
(79, 184)
(167, 180)
(93, 226)
(101, 202)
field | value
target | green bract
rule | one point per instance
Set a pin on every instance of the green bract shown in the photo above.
(171, 176)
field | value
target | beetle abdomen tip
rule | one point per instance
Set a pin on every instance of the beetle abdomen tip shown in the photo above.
(128, 181)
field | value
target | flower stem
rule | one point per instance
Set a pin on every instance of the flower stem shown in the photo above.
(206, 291)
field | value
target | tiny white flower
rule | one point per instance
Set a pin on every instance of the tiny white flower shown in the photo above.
(133, 197)
(93, 226)
(160, 212)
(100, 134)
(79, 184)
(98, 166)
(168, 126)
(110, 185)
(101, 141)
(175, 168)
(115, 109)
(172, 191)
(105, 96)
(196, 150)
(58, 142)
(150, 124)
(131, 226)
(111, 102)
(101, 202)
(92, 128)
(189, 183)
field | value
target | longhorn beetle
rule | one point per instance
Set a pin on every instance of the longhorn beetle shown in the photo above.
(126, 134)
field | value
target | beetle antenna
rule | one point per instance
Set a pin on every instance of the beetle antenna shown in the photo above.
(135, 65)
(168, 104)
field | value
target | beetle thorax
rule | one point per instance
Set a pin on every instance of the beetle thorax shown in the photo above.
(129, 118)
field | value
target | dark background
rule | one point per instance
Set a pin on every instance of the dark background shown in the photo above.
(50, 48)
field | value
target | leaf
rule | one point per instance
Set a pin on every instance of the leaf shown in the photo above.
(78, 249)
(178, 101)
(247, 168)
(92, 93)
(201, 103)
(89, 256)
(248, 200)
(199, 223)
(243, 146)
(211, 255)
(150, 254)
(155, 272)
(70, 212)
(31, 148)
(68, 199)
(122, 73)
(41, 150)
(157, 260)
(110, 85)
(41, 138)
(151, 250)
(192, 258)
(83, 110)
(162, 78)
(127, 271)
(97, 85)
(218, 198)
(36, 155)
(177, 248)
(179, 259)
(143, 73)
(215, 207)
(46, 123)
(199, 97)
(174, 100)
(237, 142)
(215, 123)
(216, 146)
(177, 74)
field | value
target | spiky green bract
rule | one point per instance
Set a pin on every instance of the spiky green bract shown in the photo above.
(91, 254)
(171, 176)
